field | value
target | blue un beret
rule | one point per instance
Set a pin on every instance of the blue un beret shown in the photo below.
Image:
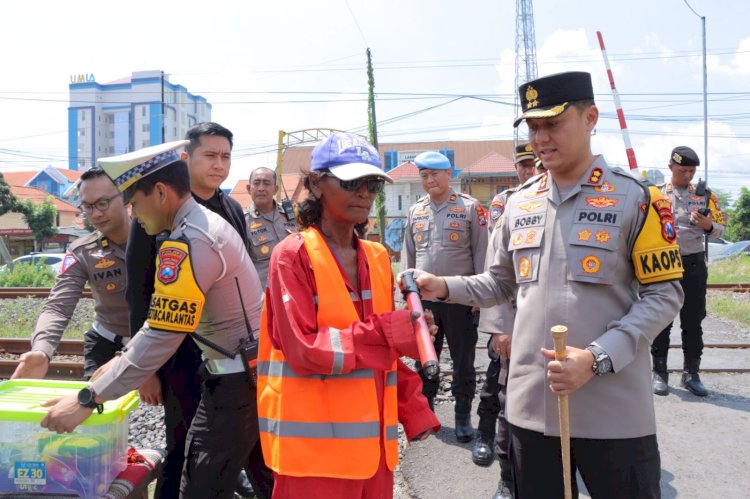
(432, 160)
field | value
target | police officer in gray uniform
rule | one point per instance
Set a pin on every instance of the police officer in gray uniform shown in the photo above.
(589, 247)
(205, 285)
(446, 233)
(267, 223)
(97, 259)
(498, 323)
(697, 215)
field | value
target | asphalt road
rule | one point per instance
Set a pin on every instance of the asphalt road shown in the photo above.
(704, 441)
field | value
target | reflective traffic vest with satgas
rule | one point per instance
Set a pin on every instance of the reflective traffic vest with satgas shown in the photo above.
(328, 425)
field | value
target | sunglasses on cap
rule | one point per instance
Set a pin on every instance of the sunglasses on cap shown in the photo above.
(374, 184)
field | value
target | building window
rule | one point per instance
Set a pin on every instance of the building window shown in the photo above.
(144, 127)
(143, 110)
(144, 143)
(399, 203)
(81, 132)
(83, 115)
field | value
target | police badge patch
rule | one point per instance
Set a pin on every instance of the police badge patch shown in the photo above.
(169, 264)
(664, 209)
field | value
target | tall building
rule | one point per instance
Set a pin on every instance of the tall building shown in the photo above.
(106, 119)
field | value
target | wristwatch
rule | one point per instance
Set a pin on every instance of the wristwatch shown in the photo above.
(87, 399)
(602, 363)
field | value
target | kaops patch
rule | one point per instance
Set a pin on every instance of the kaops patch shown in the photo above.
(654, 258)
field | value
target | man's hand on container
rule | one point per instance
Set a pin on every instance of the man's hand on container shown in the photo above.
(431, 287)
(65, 415)
(33, 365)
(150, 390)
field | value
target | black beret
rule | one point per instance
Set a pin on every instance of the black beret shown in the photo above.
(524, 151)
(684, 156)
(550, 95)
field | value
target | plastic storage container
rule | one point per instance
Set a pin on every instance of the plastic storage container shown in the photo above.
(34, 460)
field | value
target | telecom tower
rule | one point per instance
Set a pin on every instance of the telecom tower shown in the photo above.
(525, 52)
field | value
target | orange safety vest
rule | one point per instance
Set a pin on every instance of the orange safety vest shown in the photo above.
(328, 425)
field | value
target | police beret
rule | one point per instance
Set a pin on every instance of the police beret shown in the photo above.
(684, 156)
(127, 169)
(524, 151)
(432, 160)
(550, 95)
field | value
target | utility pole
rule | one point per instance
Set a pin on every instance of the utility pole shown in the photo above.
(163, 114)
(372, 125)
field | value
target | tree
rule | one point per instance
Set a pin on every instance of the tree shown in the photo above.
(372, 126)
(724, 197)
(8, 201)
(738, 228)
(41, 220)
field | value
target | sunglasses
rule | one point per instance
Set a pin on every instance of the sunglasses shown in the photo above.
(374, 184)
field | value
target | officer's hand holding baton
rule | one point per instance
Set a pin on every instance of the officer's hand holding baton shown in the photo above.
(427, 356)
(431, 287)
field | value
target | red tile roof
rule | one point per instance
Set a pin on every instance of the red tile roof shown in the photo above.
(404, 170)
(491, 164)
(19, 178)
(38, 195)
(22, 177)
(467, 152)
(290, 182)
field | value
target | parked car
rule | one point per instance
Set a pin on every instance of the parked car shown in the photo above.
(731, 250)
(715, 245)
(53, 260)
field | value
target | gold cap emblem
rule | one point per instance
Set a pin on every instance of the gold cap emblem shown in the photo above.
(528, 148)
(531, 96)
(677, 158)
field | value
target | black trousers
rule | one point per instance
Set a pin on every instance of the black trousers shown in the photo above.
(491, 409)
(222, 439)
(456, 324)
(627, 468)
(181, 390)
(692, 313)
(97, 351)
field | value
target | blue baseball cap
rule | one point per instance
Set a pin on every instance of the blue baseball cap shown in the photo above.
(432, 160)
(348, 157)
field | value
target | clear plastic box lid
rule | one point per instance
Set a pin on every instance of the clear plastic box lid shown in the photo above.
(22, 399)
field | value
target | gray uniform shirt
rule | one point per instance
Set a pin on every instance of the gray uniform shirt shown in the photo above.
(220, 261)
(92, 259)
(265, 231)
(568, 261)
(446, 239)
(684, 201)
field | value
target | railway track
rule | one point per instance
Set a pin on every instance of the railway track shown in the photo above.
(74, 369)
(44, 292)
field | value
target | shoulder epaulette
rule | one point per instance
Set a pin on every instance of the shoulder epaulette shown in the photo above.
(91, 239)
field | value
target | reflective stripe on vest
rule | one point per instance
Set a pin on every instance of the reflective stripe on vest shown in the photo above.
(311, 425)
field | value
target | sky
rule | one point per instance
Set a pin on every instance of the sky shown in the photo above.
(444, 70)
